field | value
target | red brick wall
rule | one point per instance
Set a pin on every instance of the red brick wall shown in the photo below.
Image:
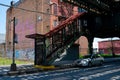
(106, 46)
(64, 10)
(29, 23)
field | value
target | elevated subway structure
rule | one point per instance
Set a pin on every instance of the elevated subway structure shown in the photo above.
(102, 20)
(50, 45)
(103, 16)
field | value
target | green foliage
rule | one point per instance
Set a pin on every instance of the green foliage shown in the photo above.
(6, 61)
(109, 55)
(80, 56)
(106, 55)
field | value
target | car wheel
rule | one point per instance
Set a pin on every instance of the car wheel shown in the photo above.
(89, 64)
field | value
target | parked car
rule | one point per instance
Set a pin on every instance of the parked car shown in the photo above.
(90, 60)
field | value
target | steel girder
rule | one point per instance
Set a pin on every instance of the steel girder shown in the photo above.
(91, 5)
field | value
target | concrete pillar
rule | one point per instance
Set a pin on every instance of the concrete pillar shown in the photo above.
(90, 44)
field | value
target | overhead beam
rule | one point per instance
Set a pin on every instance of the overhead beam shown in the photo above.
(91, 5)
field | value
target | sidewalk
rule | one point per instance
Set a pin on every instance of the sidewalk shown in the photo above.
(29, 68)
(21, 69)
(4, 70)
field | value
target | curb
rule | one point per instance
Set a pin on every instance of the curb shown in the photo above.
(1, 75)
(19, 72)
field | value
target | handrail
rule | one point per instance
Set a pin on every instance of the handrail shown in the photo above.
(55, 41)
(64, 23)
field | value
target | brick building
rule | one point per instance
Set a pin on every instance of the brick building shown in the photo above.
(2, 45)
(107, 46)
(27, 22)
(35, 16)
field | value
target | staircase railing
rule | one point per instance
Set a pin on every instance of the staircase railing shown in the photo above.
(58, 39)
(63, 36)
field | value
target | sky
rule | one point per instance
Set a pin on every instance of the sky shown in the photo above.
(3, 15)
(3, 21)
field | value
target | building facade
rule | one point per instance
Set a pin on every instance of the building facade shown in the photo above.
(2, 45)
(109, 46)
(35, 16)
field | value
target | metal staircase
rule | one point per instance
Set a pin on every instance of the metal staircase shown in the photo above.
(49, 46)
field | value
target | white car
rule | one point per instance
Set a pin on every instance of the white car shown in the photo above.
(90, 60)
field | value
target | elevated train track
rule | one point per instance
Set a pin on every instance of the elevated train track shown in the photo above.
(97, 6)
(103, 16)
(102, 20)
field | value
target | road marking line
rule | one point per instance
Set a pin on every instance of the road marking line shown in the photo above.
(99, 74)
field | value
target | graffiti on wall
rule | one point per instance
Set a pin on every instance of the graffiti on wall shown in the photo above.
(26, 54)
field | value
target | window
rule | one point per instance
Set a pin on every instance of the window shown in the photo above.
(39, 18)
(54, 8)
(55, 23)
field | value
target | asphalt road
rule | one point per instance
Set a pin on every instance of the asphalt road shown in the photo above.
(108, 71)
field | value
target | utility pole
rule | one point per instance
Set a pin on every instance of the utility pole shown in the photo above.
(13, 65)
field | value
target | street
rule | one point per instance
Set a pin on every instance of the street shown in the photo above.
(108, 71)
(49, 39)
